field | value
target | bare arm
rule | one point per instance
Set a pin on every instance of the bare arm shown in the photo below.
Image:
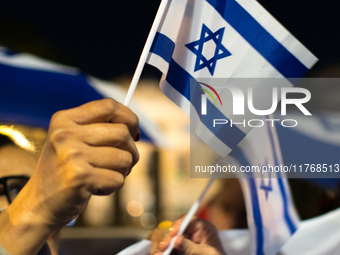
(89, 151)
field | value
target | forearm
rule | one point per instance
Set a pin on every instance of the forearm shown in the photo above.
(21, 231)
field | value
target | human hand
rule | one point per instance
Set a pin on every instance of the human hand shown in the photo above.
(200, 238)
(89, 150)
(155, 236)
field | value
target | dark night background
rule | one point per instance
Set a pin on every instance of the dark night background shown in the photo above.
(105, 38)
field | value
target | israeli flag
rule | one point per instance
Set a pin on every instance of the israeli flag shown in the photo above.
(272, 218)
(316, 236)
(222, 39)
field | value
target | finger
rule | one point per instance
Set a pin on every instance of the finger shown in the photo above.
(187, 247)
(173, 231)
(194, 229)
(112, 159)
(105, 110)
(104, 134)
(156, 236)
(205, 233)
(200, 231)
(104, 182)
(121, 139)
(165, 243)
(177, 224)
(66, 141)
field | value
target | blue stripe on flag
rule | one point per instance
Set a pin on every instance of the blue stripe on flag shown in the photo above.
(288, 65)
(237, 153)
(179, 79)
(163, 47)
(31, 97)
(257, 216)
(289, 221)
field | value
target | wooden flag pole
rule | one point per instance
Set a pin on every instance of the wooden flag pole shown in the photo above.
(145, 52)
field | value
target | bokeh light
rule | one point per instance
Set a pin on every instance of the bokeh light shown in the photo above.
(135, 208)
(148, 220)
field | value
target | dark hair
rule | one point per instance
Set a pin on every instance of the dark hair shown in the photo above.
(5, 140)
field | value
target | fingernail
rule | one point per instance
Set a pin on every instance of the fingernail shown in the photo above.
(171, 229)
(163, 245)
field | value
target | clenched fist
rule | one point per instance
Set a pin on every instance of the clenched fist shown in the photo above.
(89, 151)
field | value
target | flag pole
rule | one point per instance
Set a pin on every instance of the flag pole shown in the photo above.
(190, 214)
(145, 51)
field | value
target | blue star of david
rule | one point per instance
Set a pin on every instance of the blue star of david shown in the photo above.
(197, 47)
(267, 188)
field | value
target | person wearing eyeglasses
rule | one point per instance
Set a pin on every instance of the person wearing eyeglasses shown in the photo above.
(89, 150)
(17, 164)
(16, 167)
(11, 185)
(14, 173)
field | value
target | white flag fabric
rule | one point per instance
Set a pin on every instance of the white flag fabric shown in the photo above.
(141, 248)
(316, 236)
(271, 215)
(222, 39)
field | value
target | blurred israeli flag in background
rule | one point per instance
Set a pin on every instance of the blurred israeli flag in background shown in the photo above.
(272, 218)
(222, 39)
(33, 89)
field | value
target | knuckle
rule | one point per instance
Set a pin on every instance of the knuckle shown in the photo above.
(123, 132)
(120, 179)
(74, 161)
(67, 148)
(78, 180)
(57, 118)
(125, 159)
(73, 155)
(108, 105)
(134, 120)
(78, 175)
(60, 135)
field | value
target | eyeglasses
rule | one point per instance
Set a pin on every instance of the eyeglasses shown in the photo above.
(10, 186)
